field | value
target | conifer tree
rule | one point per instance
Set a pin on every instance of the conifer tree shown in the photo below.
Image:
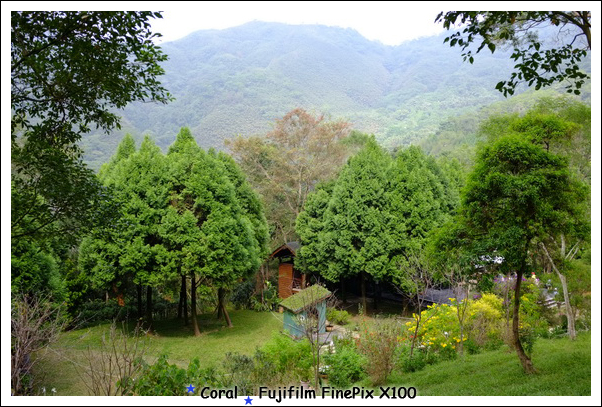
(214, 224)
(374, 216)
(355, 239)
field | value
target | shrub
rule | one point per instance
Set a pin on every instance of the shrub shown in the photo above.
(485, 323)
(472, 347)
(270, 298)
(345, 366)
(438, 328)
(242, 293)
(532, 316)
(289, 357)
(116, 362)
(265, 371)
(531, 308)
(102, 311)
(339, 317)
(413, 363)
(281, 361)
(164, 379)
(240, 371)
(378, 344)
(244, 296)
(160, 379)
(35, 323)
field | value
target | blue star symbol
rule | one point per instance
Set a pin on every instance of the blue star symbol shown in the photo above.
(248, 400)
(190, 389)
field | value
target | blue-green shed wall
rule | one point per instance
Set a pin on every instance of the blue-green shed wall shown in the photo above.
(293, 328)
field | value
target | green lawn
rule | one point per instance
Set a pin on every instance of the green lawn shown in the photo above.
(61, 366)
(564, 369)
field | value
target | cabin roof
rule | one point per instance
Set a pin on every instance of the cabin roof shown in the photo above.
(305, 298)
(287, 249)
(439, 296)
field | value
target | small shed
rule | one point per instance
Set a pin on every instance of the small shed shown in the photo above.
(290, 281)
(307, 303)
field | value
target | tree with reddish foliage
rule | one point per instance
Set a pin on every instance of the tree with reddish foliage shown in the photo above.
(285, 165)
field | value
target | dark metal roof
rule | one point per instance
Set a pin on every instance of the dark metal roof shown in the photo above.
(441, 296)
(288, 248)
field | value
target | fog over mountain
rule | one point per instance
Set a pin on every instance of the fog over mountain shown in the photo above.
(239, 80)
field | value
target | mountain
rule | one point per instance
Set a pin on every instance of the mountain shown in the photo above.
(239, 80)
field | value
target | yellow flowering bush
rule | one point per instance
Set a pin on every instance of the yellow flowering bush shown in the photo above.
(439, 329)
(486, 320)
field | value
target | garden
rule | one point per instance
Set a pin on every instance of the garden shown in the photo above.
(459, 347)
(455, 274)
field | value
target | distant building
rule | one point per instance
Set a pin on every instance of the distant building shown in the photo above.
(290, 281)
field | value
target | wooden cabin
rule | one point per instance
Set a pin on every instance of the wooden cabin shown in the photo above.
(305, 309)
(290, 281)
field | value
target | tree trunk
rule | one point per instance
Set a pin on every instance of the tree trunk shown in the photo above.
(364, 304)
(181, 301)
(343, 292)
(220, 295)
(263, 274)
(567, 306)
(149, 307)
(317, 367)
(565, 290)
(376, 295)
(140, 306)
(185, 302)
(195, 322)
(223, 308)
(418, 319)
(522, 356)
(184, 295)
(461, 343)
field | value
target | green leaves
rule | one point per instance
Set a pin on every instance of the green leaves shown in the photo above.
(518, 191)
(74, 66)
(377, 210)
(185, 212)
(69, 70)
(555, 65)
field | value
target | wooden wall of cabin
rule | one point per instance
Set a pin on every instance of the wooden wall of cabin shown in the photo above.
(285, 280)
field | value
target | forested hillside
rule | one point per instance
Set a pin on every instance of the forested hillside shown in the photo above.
(267, 192)
(239, 80)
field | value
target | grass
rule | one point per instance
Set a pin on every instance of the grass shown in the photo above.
(61, 366)
(563, 369)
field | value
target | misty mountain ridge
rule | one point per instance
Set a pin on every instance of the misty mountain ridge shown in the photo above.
(237, 81)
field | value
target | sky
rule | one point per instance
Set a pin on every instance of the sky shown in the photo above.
(388, 22)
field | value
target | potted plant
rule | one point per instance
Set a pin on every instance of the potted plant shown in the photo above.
(324, 371)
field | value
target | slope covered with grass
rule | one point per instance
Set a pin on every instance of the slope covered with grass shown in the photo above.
(564, 369)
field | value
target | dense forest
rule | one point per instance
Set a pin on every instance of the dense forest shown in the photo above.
(237, 81)
(395, 168)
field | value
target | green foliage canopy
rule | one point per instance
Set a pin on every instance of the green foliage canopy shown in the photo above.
(131, 249)
(517, 192)
(536, 65)
(68, 71)
(377, 211)
(189, 211)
